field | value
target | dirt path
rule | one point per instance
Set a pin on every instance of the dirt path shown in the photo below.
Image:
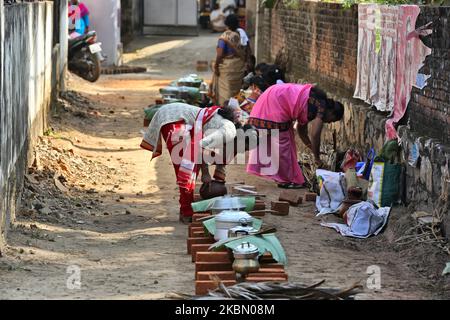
(118, 220)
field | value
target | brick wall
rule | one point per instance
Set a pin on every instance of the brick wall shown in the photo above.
(429, 108)
(320, 40)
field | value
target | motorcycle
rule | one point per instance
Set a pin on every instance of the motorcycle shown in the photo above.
(85, 56)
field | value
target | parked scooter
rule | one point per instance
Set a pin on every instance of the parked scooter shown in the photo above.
(85, 56)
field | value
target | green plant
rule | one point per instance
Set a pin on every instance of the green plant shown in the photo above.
(292, 4)
(49, 132)
(268, 3)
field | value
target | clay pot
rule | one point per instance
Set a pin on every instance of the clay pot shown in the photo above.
(213, 189)
(346, 204)
(355, 193)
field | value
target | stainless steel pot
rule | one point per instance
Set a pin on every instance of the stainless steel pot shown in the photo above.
(243, 230)
(246, 259)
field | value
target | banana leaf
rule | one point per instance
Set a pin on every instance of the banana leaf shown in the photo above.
(206, 205)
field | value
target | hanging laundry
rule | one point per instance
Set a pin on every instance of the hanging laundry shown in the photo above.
(390, 55)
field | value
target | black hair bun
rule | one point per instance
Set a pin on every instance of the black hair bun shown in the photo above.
(226, 113)
(329, 103)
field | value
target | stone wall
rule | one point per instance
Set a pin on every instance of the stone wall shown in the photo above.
(26, 82)
(319, 42)
(429, 108)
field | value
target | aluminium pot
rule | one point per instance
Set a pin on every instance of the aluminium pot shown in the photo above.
(229, 219)
(242, 230)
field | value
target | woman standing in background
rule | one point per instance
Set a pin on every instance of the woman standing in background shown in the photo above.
(230, 64)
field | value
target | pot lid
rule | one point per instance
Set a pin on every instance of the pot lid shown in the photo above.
(228, 202)
(246, 248)
(237, 216)
(242, 228)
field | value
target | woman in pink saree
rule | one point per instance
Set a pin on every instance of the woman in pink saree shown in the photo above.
(274, 115)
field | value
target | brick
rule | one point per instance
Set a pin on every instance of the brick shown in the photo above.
(211, 256)
(258, 213)
(310, 196)
(222, 275)
(259, 205)
(271, 266)
(196, 224)
(203, 248)
(202, 287)
(204, 240)
(212, 266)
(199, 234)
(191, 230)
(282, 207)
(198, 248)
(292, 196)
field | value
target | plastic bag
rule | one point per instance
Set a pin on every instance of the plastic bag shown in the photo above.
(414, 154)
(364, 172)
(384, 184)
(332, 191)
(362, 221)
(351, 158)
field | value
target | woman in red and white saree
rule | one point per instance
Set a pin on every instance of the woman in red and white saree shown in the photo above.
(188, 131)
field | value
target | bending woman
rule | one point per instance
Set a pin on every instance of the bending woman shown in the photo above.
(186, 130)
(278, 108)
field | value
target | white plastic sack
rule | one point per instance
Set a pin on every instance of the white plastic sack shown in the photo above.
(376, 183)
(332, 191)
(363, 220)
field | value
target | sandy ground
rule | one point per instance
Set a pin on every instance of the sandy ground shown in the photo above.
(130, 245)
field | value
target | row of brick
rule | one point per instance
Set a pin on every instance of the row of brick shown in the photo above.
(218, 264)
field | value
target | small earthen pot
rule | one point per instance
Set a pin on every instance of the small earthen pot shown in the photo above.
(213, 189)
(355, 193)
(346, 204)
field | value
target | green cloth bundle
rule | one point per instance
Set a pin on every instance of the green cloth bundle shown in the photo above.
(151, 111)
